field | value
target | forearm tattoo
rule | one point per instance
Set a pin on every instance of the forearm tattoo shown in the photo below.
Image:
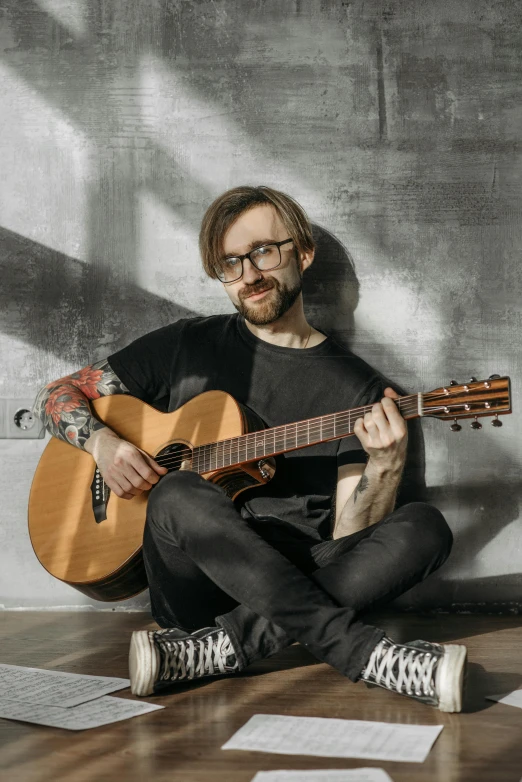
(63, 405)
(361, 487)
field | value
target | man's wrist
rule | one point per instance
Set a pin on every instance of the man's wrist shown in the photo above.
(385, 468)
(98, 435)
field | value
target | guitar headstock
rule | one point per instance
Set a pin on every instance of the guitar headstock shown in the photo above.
(477, 398)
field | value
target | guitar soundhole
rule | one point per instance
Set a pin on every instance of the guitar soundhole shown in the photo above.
(175, 455)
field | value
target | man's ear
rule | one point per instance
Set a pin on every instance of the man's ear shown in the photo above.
(306, 260)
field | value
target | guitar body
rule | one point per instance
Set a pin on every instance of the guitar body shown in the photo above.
(103, 559)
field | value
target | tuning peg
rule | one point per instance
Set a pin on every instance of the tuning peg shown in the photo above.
(476, 424)
(494, 377)
(473, 380)
(455, 427)
(453, 383)
(496, 422)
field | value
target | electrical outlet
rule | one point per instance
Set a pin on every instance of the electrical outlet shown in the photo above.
(17, 420)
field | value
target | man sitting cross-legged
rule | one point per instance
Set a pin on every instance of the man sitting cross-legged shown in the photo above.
(235, 580)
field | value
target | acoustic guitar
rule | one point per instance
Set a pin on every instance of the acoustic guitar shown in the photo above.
(92, 540)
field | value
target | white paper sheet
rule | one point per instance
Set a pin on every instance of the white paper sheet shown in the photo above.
(331, 775)
(335, 738)
(510, 698)
(87, 715)
(55, 688)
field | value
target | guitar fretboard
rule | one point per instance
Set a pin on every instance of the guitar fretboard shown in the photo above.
(288, 437)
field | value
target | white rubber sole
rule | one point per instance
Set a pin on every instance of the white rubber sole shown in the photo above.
(450, 677)
(143, 663)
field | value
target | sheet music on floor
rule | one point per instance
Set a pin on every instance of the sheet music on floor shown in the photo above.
(335, 738)
(329, 775)
(509, 698)
(102, 711)
(54, 688)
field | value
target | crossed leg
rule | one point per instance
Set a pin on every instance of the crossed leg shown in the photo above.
(206, 564)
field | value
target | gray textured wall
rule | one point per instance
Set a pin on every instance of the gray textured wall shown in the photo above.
(397, 124)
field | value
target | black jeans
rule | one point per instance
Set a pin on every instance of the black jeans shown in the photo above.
(207, 566)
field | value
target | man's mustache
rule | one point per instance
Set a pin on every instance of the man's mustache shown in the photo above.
(253, 289)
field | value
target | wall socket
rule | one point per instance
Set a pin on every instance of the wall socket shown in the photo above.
(17, 420)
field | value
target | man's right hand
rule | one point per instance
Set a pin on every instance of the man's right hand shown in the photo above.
(126, 470)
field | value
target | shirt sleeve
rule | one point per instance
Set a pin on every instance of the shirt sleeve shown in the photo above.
(350, 450)
(145, 366)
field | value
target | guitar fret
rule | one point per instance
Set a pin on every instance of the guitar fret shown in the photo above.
(283, 438)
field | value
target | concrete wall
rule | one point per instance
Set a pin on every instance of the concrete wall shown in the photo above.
(397, 124)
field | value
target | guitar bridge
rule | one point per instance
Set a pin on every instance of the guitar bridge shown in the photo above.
(100, 496)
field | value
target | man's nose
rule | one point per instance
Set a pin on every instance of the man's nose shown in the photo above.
(250, 273)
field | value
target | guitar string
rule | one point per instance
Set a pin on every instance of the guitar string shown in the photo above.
(205, 457)
(253, 438)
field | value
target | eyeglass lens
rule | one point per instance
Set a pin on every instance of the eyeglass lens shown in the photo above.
(264, 258)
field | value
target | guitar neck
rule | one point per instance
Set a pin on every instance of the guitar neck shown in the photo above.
(289, 437)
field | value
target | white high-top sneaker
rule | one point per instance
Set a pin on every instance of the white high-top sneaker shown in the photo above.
(162, 657)
(430, 673)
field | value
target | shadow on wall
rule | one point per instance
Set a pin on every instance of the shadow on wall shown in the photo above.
(331, 296)
(489, 509)
(76, 310)
(492, 506)
(331, 287)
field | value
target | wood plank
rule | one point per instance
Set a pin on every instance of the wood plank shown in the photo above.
(182, 742)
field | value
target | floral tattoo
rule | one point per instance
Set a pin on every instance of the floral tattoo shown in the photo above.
(63, 404)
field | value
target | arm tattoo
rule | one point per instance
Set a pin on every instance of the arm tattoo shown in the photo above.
(361, 487)
(63, 405)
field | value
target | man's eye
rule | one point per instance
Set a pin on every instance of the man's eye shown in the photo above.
(265, 250)
(232, 262)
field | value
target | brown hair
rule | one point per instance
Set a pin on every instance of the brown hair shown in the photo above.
(228, 207)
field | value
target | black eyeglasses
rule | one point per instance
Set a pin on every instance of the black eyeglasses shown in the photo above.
(264, 258)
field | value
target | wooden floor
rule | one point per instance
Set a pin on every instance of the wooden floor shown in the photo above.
(182, 742)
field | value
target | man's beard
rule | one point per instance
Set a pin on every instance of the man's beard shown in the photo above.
(273, 306)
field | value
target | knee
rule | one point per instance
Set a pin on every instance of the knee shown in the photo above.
(426, 528)
(172, 486)
(170, 501)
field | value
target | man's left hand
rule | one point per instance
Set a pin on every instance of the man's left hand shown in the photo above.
(383, 433)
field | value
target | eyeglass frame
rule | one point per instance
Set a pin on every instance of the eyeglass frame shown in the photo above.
(247, 255)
